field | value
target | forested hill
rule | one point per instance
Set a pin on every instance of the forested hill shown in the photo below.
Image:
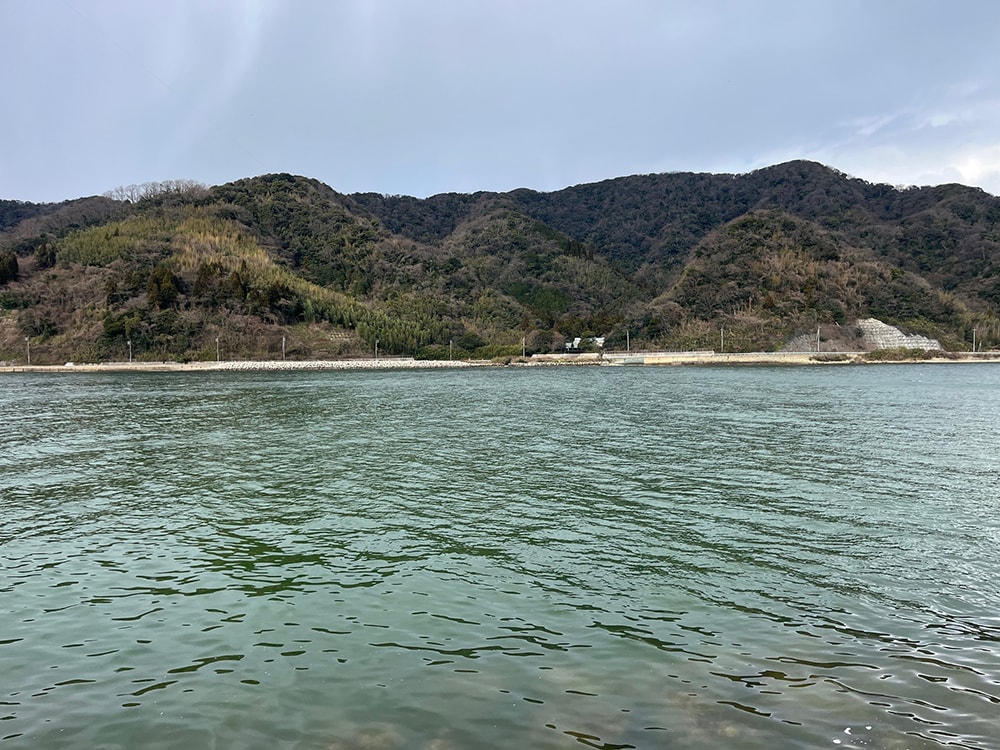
(670, 258)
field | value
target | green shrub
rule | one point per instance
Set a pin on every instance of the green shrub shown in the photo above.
(899, 354)
(162, 288)
(8, 267)
(440, 352)
(496, 351)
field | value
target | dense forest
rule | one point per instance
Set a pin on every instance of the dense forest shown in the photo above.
(281, 263)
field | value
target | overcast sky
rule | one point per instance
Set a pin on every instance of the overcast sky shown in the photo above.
(429, 96)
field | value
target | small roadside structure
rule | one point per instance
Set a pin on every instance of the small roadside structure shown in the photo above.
(585, 344)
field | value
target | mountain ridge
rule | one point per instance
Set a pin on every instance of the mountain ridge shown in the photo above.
(664, 260)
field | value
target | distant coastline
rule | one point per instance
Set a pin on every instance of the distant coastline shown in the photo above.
(797, 256)
(610, 359)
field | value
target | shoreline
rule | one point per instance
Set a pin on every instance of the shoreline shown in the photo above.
(246, 366)
(609, 359)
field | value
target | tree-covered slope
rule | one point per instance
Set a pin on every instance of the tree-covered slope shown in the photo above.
(767, 275)
(671, 258)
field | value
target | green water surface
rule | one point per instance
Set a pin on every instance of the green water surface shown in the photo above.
(503, 558)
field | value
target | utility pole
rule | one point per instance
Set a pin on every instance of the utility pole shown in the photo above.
(376, 350)
(722, 339)
(973, 340)
(628, 342)
(216, 348)
(282, 348)
(817, 338)
(130, 351)
(522, 347)
(27, 343)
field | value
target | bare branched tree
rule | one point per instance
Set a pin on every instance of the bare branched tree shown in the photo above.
(147, 190)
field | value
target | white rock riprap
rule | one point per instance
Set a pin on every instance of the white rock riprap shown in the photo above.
(879, 335)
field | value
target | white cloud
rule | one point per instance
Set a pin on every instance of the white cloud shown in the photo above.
(974, 164)
(870, 125)
(397, 96)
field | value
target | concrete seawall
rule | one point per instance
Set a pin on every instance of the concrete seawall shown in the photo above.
(738, 358)
(704, 358)
(390, 363)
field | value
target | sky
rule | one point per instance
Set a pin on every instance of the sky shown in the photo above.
(418, 97)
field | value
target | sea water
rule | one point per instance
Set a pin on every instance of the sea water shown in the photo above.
(502, 558)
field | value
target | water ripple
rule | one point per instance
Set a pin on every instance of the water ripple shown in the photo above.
(603, 557)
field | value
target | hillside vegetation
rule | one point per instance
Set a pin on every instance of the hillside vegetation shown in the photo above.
(284, 263)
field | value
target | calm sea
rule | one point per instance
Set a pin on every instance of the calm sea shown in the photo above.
(502, 558)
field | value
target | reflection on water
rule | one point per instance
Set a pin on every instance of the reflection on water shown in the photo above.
(610, 558)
